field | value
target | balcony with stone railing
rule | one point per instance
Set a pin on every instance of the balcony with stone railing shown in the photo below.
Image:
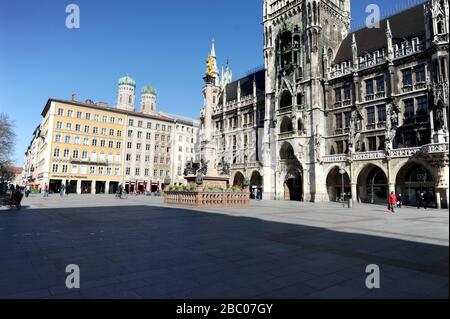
(437, 148)
(286, 135)
(335, 158)
(285, 110)
(430, 149)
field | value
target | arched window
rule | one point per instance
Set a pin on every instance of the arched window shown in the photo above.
(287, 152)
(286, 99)
(286, 125)
(299, 99)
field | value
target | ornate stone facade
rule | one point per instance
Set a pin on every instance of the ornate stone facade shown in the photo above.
(372, 104)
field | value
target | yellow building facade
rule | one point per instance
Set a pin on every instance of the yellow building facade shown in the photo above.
(84, 147)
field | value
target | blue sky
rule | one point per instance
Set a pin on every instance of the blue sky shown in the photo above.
(162, 43)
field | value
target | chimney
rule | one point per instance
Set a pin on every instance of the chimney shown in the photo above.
(74, 97)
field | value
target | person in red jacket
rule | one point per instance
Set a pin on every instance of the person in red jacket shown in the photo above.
(392, 201)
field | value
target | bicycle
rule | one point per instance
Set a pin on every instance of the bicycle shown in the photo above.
(123, 195)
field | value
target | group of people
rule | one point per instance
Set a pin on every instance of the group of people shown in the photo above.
(395, 201)
(256, 193)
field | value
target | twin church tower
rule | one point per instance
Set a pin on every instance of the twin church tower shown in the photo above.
(126, 97)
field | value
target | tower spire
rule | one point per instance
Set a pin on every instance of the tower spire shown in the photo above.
(212, 71)
(213, 49)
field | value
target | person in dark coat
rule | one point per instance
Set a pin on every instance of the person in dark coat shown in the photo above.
(399, 201)
(421, 201)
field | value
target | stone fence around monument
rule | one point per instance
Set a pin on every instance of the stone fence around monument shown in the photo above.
(201, 198)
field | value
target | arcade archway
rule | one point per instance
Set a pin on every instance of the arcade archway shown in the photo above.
(293, 186)
(414, 179)
(239, 180)
(337, 184)
(373, 186)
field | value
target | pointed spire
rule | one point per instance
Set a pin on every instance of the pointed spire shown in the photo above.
(390, 48)
(354, 52)
(213, 49)
(388, 28)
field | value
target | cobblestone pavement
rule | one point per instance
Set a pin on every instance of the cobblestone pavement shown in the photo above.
(140, 248)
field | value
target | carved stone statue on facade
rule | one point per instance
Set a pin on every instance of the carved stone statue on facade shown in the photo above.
(438, 118)
(318, 145)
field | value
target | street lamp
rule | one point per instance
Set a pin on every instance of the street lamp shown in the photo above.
(342, 172)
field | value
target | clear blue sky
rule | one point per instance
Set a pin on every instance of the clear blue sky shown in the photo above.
(163, 43)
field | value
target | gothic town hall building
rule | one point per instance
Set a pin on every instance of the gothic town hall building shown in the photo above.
(337, 113)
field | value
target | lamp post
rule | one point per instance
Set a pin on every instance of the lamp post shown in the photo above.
(342, 172)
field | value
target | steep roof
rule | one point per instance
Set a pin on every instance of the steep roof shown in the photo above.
(406, 24)
(246, 85)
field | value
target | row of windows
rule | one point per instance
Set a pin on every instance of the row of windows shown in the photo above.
(157, 160)
(148, 136)
(182, 128)
(148, 147)
(419, 74)
(76, 154)
(377, 85)
(378, 113)
(158, 126)
(86, 141)
(93, 170)
(87, 129)
(156, 173)
(88, 116)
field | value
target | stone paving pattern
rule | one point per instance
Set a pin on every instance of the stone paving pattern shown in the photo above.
(141, 248)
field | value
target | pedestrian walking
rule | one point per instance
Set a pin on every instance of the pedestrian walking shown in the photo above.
(45, 190)
(399, 201)
(392, 201)
(61, 191)
(27, 191)
(421, 201)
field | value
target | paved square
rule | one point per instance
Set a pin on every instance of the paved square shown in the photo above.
(140, 248)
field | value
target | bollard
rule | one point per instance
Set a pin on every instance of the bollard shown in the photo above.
(350, 203)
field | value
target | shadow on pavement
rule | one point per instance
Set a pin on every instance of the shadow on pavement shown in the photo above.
(160, 252)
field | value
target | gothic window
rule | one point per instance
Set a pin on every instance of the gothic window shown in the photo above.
(380, 84)
(371, 115)
(372, 142)
(339, 121)
(440, 25)
(286, 100)
(348, 118)
(409, 108)
(286, 125)
(347, 93)
(420, 74)
(369, 87)
(422, 105)
(381, 113)
(340, 147)
(337, 95)
(407, 77)
(299, 99)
